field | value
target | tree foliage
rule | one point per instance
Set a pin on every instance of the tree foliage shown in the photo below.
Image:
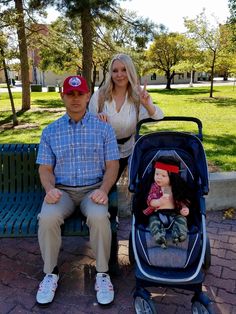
(98, 20)
(3, 54)
(208, 38)
(62, 47)
(13, 16)
(166, 51)
(232, 10)
(86, 10)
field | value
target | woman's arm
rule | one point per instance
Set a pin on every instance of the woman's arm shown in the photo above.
(148, 109)
(93, 107)
(93, 103)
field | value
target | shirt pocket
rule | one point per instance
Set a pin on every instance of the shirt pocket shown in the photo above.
(64, 152)
(93, 152)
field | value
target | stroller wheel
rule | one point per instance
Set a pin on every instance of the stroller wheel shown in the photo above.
(199, 308)
(144, 306)
(131, 251)
(207, 259)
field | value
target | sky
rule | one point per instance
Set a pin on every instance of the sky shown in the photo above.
(171, 12)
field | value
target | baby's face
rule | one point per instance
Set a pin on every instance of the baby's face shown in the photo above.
(161, 177)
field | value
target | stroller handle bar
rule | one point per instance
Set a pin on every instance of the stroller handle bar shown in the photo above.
(171, 118)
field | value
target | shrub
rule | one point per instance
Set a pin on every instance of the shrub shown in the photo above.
(51, 88)
(36, 88)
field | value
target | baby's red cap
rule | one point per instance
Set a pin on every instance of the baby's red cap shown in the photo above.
(167, 167)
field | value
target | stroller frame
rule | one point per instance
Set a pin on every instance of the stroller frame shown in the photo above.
(192, 280)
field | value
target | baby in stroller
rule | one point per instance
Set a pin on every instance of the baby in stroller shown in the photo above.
(168, 202)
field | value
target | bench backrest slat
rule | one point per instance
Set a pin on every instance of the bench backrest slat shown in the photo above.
(18, 169)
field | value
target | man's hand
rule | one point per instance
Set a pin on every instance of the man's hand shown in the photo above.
(98, 196)
(53, 196)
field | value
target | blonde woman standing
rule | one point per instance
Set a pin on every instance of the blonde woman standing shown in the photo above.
(122, 103)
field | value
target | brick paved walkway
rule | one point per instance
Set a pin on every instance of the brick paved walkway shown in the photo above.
(21, 271)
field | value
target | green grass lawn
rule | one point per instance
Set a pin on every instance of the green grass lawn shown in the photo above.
(217, 114)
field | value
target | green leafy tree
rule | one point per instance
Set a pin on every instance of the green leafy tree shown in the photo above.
(86, 10)
(99, 18)
(232, 10)
(192, 59)
(62, 47)
(21, 33)
(226, 61)
(165, 53)
(207, 37)
(3, 54)
(13, 16)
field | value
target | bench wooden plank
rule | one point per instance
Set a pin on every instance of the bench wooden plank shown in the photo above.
(21, 195)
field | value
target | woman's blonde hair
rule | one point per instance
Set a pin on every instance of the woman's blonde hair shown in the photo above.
(105, 92)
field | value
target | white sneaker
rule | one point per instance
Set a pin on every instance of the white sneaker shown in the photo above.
(104, 288)
(47, 289)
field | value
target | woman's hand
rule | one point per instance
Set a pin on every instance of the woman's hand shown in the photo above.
(102, 116)
(145, 98)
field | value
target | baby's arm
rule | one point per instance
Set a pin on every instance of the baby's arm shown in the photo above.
(154, 202)
(162, 201)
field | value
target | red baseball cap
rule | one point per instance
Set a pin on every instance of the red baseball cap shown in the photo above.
(75, 83)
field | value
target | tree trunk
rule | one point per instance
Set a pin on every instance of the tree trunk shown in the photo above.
(23, 55)
(212, 73)
(14, 116)
(225, 76)
(191, 79)
(87, 35)
(169, 77)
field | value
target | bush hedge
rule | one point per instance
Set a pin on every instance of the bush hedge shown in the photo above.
(51, 88)
(36, 88)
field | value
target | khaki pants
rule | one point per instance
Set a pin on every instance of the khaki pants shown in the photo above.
(52, 217)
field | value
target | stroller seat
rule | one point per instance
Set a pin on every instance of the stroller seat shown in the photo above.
(175, 256)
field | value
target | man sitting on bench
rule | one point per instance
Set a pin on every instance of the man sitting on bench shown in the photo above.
(78, 158)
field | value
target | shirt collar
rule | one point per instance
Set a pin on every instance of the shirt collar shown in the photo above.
(82, 122)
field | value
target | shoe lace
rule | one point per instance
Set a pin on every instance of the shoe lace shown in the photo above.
(47, 284)
(104, 284)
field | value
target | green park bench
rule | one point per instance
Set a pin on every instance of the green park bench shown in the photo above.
(21, 197)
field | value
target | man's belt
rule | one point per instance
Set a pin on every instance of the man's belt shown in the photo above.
(123, 140)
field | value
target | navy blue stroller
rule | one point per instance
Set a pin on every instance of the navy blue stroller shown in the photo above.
(179, 266)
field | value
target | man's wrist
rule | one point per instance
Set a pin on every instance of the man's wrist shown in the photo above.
(104, 189)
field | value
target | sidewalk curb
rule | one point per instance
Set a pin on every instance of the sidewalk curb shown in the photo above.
(222, 193)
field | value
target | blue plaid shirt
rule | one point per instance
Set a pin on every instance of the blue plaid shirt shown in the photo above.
(78, 151)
